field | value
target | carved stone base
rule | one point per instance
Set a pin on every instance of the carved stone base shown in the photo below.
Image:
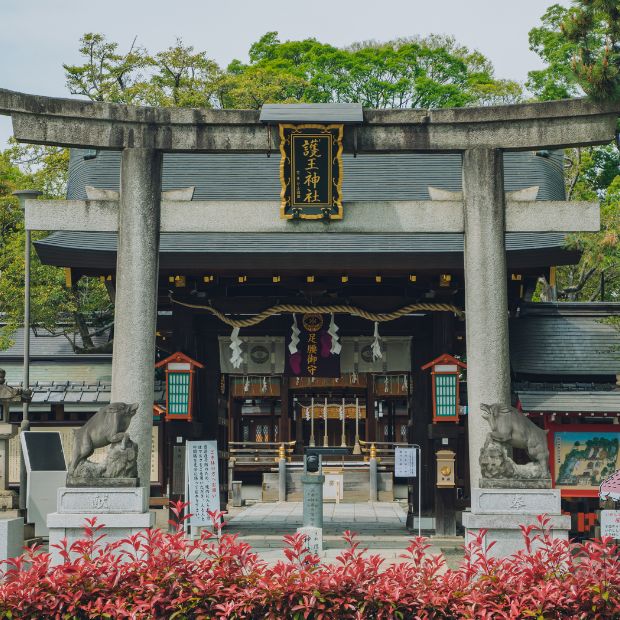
(8, 500)
(502, 511)
(123, 511)
(116, 527)
(516, 501)
(83, 481)
(72, 500)
(515, 483)
(504, 530)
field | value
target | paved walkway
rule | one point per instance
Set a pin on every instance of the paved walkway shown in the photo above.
(286, 516)
(380, 527)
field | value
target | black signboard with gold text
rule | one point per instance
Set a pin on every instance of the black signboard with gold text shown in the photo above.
(311, 171)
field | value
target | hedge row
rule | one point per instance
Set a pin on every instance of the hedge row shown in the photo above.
(157, 574)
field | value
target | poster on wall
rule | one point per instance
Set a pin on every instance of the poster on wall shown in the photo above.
(312, 354)
(582, 456)
(202, 481)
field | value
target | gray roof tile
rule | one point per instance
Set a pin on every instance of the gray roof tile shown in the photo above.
(312, 113)
(564, 345)
(402, 176)
(576, 402)
(43, 345)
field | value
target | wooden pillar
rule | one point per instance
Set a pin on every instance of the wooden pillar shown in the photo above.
(285, 421)
(445, 499)
(272, 421)
(371, 420)
(299, 430)
(421, 415)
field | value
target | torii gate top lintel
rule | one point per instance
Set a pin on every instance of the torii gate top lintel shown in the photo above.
(79, 123)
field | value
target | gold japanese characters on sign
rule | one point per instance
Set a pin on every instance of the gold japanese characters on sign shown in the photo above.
(311, 171)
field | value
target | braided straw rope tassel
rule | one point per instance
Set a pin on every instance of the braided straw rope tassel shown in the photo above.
(381, 317)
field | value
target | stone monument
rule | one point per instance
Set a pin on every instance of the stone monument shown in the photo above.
(8, 395)
(110, 491)
(511, 494)
(312, 482)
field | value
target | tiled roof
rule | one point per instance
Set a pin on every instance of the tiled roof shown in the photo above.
(79, 392)
(570, 401)
(48, 346)
(564, 344)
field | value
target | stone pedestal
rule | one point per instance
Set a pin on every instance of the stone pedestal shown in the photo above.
(502, 511)
(373, 487)
(282, 480)
(313, 512)
(314, 539)
(11, 539)
(122, 511)
(8, 498)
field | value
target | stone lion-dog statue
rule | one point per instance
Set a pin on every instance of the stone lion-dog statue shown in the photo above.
(511, 427)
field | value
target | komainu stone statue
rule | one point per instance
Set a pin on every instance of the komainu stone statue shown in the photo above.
(106, 428)
(512, 429)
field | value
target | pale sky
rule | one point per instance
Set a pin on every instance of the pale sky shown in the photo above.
(38, 36)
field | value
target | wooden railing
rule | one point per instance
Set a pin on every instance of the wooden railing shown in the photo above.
(259, 452)
(383, 449)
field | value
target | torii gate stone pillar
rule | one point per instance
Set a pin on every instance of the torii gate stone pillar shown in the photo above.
(486, 295)
(137, 268)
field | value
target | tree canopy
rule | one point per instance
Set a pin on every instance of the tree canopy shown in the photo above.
(576, 43)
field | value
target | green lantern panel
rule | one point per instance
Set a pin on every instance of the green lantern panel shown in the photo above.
(178, 393)
(445, 395)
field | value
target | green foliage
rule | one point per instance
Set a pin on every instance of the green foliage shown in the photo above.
(51, 302)
(581, 46)
(593, 27)
(575, 43)
(557, 80)
(414, 72)
(106, 75)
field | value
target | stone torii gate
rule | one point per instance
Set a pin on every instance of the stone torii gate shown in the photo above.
(481, 135)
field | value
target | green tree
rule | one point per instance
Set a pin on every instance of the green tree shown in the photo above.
(413, 72)
(590, 173)
(54, 307)
(593, 27)
(106, 74)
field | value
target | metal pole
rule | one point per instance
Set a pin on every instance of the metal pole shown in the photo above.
(325, 439)
(343, 439)
(22, 196)
(419, 491)
(312, 423)
(357, 449)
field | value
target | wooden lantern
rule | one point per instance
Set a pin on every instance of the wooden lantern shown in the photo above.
(445, 371)
(180, 370)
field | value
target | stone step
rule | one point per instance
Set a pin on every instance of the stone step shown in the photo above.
(378, 541)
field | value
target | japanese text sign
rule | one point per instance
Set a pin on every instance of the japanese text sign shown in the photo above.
(311, 171)
(202, 480)
(405, 461)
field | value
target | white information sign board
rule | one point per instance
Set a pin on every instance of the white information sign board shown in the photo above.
(610, 523)
(202, 481)
(405, 461)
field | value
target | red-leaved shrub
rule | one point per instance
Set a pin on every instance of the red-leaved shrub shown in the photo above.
(156, 574)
